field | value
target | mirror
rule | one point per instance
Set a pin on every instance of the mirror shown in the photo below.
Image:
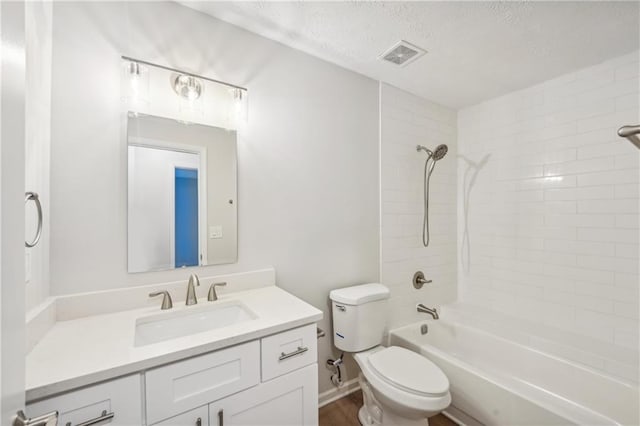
(182, 185)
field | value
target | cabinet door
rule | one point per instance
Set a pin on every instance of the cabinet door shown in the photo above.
(197, 417)
(289, 400)
(181, 386)
(118, 402)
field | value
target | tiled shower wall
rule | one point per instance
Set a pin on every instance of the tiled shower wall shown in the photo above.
(406, 121)
(548, 204)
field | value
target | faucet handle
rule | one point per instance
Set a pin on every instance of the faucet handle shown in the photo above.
(166, 300)
(213, 296)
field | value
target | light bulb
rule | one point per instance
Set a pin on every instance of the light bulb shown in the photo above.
(135, 83)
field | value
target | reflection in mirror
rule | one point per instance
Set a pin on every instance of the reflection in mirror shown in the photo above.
(182, 194)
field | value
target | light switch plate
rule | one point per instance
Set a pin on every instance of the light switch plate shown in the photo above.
(215, 232)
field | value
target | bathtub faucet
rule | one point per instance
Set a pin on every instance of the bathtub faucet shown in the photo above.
(433, 312)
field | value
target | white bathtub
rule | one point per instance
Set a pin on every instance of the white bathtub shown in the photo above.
(497, 381)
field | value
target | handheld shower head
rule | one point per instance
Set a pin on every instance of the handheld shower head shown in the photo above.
(440, 152)
(437, 155)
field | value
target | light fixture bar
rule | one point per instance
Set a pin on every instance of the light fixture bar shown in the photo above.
(140, 61)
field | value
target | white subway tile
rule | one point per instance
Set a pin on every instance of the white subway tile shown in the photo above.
(606, 149)
(546, 182)
(624, 309)
(625, 102)
(615, 264)
(608, 178)
(580, 220)
(624, 293)
(629, 251)
(629, 221)
(603, 192)
(629, 190)
(608, 235)
(627, 280)
(626, 161)
(580, 247)
(624, 206)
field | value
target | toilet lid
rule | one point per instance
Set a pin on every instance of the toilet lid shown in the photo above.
(409, 371)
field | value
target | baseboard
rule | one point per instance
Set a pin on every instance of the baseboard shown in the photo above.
(460, 417)
(331, 395)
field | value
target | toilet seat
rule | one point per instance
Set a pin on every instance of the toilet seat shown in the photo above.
(395, 389)
(409, 371)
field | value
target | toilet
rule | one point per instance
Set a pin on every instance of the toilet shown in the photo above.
(400, 387)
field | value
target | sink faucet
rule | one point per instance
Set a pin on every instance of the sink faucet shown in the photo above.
(433, 312)
(192, 299)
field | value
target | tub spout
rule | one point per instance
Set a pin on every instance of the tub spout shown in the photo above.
(433, 312)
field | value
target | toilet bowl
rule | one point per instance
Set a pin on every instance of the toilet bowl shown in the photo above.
(401, 387)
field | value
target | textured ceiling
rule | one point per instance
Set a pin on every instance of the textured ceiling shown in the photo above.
(476, 50)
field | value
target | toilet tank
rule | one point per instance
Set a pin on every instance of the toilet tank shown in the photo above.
(359, 316)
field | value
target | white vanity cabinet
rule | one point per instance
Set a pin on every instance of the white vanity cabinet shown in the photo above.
(267, 381)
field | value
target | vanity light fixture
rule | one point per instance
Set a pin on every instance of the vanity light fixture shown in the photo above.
(190, 89)
(187, 87)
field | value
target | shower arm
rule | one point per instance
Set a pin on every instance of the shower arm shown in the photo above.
(631, 133)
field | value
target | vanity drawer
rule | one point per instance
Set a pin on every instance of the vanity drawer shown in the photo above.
(120, 397)
(184, 385)
(289, 351)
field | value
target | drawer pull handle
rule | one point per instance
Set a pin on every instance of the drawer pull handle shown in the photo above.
(298, 351)
(199, 421)
(221, 418)
(103, 417)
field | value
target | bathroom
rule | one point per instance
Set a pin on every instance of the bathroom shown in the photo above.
(500, 161)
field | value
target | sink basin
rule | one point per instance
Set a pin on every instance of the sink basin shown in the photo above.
(190, 320)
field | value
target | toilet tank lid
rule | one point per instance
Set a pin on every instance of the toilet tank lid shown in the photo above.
(359, 294)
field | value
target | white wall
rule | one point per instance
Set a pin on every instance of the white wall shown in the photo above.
(37, 141)
(307, 160)
(548, 207)
(408, 121)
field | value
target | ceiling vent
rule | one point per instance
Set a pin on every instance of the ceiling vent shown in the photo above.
(402, 53)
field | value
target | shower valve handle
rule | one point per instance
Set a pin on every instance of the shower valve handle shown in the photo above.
(419, 280)
(423, 281)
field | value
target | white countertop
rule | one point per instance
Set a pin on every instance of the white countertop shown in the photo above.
(87, 350)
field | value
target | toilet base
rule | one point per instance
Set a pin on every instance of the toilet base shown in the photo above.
(372, 413)
(389, 420)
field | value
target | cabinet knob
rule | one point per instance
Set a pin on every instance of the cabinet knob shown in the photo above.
(198, 421)
(221, 418)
